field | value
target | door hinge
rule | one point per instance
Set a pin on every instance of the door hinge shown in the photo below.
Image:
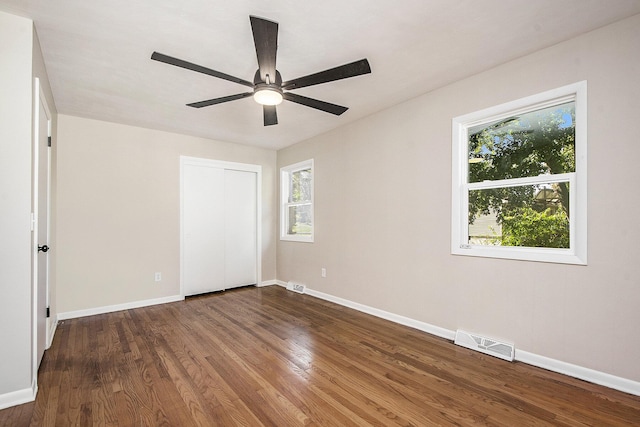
(48, 312)
(49, 141)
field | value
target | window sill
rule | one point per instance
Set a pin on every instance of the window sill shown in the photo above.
(557, 256)
(292, 238)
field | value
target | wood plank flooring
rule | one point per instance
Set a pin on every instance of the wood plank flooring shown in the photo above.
(269, 357)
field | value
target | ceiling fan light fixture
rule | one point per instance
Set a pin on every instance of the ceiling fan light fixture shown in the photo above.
(267, 96)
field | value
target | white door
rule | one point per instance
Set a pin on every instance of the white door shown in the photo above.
(219, 226)
(203, 228)
(240, 228)
(41, 228)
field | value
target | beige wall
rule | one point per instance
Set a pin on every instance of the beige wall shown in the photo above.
(118, 210)
(383, 214)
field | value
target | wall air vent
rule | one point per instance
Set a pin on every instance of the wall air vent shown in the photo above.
(296, 287)
(485, 345)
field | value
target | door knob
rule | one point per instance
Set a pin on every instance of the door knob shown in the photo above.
(44, 248)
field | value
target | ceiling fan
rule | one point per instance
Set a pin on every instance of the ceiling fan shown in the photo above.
(268, 88)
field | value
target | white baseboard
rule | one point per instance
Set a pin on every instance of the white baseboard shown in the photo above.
(118, 307)
(267, 283)
(586, 374)
(19, 397)
(412, 323)
(580, 372)
(53, 324)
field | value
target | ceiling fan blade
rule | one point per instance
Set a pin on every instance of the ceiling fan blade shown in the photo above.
(265, 38)
(156, 56)
(315, 103)
(352, 69)
(214, 101)
(270, 115)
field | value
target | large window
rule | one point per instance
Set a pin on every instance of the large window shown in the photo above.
(519, 179)
(296, 210)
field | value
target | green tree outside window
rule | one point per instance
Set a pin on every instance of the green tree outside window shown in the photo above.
(540, 142)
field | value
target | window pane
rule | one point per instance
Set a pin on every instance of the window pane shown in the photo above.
(300, 186)
(528, 215)
(539, 142)
(300, 220)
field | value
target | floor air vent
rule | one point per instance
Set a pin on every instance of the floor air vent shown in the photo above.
(485, 345)
(296, 287)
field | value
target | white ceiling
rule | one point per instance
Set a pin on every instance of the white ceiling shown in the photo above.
(97, 54)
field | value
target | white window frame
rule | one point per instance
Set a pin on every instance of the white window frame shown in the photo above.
(577, 253)
(285, 179)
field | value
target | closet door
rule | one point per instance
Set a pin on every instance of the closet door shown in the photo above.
(219, 227)
(203, 229)
(240, 228)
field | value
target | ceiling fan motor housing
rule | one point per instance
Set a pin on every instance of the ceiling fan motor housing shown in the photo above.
(271, 83)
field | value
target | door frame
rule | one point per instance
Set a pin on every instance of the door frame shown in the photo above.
(221, 164)
(39, 98)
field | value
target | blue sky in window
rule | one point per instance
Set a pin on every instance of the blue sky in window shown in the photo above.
(568, 120)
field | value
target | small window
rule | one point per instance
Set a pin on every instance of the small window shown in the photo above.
(296, 212)
(519, 183)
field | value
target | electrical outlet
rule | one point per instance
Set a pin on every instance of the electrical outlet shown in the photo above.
(158, 276)
(323, 272)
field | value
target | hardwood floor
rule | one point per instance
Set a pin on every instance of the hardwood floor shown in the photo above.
(266, 356)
